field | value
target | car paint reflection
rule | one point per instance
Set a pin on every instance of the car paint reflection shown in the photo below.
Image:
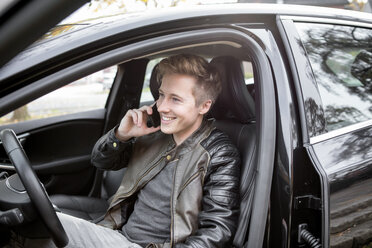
(347, 161)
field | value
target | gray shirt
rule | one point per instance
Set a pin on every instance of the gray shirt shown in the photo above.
(150, 220)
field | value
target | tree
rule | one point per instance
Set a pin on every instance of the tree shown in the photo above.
(20, 114)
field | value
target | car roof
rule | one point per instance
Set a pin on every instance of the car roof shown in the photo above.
(23, 22)
(73, 36)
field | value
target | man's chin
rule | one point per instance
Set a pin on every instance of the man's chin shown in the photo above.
(166, 130)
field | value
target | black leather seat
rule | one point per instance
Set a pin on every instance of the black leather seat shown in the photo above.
(83, 207)
(234, 112)
(90, 208)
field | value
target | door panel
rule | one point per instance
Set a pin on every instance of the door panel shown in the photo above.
(347, 160)
(59, 150)
(339, 121)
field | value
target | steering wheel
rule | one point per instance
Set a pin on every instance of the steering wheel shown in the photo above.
(33, 186)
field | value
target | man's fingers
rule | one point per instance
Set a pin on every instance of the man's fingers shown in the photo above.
(133, 124)
(139, 117)
(152, 129)
(146, 109)
(133, 114)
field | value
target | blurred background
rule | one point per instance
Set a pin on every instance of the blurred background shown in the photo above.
(100, 8)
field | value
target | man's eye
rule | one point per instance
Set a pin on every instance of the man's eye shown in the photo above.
(176, 99)
(161, 94)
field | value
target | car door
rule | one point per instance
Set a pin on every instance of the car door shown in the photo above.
(167, 42)
(59, 130)
(337, 104)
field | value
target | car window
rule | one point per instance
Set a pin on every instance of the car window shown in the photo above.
(87, 93)
(249, 77)
(248, 72)
(146, 96)
(341, 59)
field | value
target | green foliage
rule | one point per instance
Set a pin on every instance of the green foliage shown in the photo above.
(367, 246)
(248, 75)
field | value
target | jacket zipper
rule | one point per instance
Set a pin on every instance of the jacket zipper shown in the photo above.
(171, 205)
(135, 186)
(145, 174)
(195, 175)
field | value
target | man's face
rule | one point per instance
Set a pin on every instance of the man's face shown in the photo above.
(179, 113)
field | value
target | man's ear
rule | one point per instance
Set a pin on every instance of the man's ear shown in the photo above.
(205, 106)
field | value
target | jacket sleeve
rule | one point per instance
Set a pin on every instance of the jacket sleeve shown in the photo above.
(217, 222)
(109, 153)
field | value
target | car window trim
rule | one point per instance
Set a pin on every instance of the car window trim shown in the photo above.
(332, 21)
(340, 131)
(296, 79)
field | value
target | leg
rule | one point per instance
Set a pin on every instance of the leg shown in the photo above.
(82, 233)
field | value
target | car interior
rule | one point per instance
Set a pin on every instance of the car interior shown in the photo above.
(59, 147)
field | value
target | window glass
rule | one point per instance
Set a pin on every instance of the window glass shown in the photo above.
(341, 59)
(249, 77)
(85, 94)
(146, 95)
(248, 72)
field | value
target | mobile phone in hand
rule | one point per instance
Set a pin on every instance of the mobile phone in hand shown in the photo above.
(154, 119)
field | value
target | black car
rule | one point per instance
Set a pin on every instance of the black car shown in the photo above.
(296, 100)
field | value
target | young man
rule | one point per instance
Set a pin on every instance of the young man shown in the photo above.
(181, 185)
(182, 182)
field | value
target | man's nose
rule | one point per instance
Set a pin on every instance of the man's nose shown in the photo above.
(162, 105)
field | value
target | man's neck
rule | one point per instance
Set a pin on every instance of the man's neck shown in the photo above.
(180, 139)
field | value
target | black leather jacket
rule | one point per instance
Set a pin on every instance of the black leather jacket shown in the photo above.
(208, 218)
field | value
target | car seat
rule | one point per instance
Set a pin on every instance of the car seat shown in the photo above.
(234, 112)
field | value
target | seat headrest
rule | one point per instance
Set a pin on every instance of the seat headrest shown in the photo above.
(234, 101)
(154, 85)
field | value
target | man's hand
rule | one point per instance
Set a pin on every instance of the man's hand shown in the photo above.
(134, 124)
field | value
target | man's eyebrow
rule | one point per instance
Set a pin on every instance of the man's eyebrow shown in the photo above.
(172, 94)
(177, 96)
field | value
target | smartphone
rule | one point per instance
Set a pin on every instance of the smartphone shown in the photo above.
(154, 119)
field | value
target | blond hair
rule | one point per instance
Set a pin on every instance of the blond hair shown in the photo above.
(208, 83)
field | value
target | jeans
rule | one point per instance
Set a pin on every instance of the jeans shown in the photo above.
(81, 234)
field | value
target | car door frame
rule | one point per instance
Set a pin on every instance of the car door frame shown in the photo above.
(312, 125)
(266, 113)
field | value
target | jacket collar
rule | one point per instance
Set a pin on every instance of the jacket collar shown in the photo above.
(193, 140)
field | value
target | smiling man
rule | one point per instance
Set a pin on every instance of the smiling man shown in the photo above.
(181, 185)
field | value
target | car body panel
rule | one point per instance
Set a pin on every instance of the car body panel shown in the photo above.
(287, 137)
(327, 150)
(347, 160)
